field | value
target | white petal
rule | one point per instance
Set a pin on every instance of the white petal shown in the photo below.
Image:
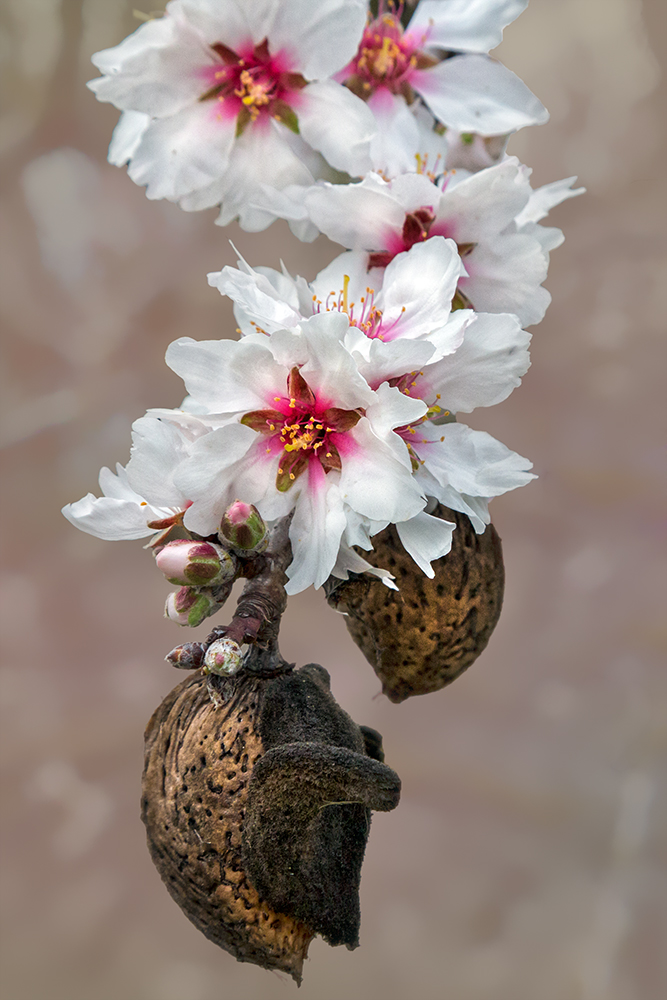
(464, 25)
(321, 37)
(547, 197)
(505, 276)
(373, 482)
(397, 139)
(337, 124)
(227, 376)
(109, 518)
(126, 136)
(262, 158)
(426, 538)
(451, 333)
(379, 361)
(360, 216)
(484, 204)
(235, 23)
(117, 486)
(259, 302)
(485, 369)
(414, 191)
(157, 69)
(418, 288)
(391, 408)
(330, 371)
(475, 94)
(158, 449)
(207, 476)
(315, 531)
(349, 561)
(179, 154)
(472, 462)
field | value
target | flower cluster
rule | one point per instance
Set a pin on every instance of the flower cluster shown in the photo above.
(338, 407)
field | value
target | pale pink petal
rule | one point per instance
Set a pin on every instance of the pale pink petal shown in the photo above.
(337, 124)
(418, 288)
(484, 370)
(475, 94)
(320, 37)
(463, 25)
(126, 136)
(426, 538)
(227, 376)
(359, 216)
(374, 483)
(186, 151)
(315, 530)
(157, 69)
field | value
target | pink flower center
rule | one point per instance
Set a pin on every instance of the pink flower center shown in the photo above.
(386, 58)
(416, 229)
(251, 84)
(302, 429)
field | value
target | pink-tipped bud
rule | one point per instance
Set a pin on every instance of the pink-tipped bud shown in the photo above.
(243, 528)
(223, 657)
(189, 607)
(195, 564)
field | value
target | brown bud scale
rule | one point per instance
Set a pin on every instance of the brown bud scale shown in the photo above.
(422, 637)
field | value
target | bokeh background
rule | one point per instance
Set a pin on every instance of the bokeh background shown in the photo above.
(526, 859)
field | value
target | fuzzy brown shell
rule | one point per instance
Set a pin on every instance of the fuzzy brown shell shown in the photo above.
(421, 637)
(199, 759)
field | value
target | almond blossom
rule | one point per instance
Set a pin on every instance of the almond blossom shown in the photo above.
(506, 258)
(222, 98)
(409, 300)
(306, 436)
(441, 57)
(474, 360)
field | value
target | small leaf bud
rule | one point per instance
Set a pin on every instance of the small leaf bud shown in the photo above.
(243, 528)
(223, 657)
(189, 607)
(195, 564)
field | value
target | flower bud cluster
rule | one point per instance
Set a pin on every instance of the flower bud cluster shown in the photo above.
(204, 570)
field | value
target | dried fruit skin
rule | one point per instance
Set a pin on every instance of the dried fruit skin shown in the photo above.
(422, 637)
(198, 762)
(257, 811)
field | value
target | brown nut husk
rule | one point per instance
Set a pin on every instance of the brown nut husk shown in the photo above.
(422, 637)
(257, 811)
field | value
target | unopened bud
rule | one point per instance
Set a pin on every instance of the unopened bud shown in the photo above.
(243, 528)
(195, 564)
(189, 607)
(189, 656)
(223, 657)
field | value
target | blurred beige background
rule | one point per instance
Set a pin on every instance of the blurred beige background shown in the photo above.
(526, 860)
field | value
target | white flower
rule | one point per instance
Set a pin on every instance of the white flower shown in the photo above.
(221, 98)
(460, 467)
(504, 252)
(308, 435)
(409, 300)
(141, 499)
(441, 57)
(474, 360)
